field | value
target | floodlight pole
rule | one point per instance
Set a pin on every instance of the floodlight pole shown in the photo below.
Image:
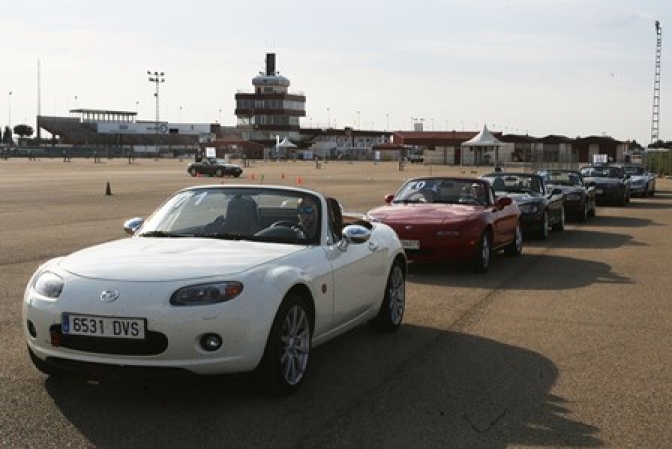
(156, 78)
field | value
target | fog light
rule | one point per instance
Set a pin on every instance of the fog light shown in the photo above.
(211, 342)
(31, 329)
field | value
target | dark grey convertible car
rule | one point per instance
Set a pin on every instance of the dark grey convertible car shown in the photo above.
(541, 207)
(214, 167)
(579, 195)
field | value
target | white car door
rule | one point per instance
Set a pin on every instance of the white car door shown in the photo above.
(360, 275)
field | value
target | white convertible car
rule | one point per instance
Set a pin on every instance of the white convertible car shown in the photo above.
(219, 279)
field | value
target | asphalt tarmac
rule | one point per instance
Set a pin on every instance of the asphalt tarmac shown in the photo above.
(566, 346)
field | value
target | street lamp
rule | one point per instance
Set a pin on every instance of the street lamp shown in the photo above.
(10, 109)
(156, 78)
(358, 121)
(328, 118)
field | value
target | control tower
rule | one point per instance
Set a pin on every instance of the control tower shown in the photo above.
(271, 111)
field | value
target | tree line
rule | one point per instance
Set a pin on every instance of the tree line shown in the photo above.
(22, 130)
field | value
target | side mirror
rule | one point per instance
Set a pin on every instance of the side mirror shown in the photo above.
(355, 235)
(556, 191)
(388, 198)
(503, 201)
(131, 226)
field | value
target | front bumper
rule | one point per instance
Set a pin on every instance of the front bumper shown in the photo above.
(172, 341)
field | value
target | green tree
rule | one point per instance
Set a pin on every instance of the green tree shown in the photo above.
(23, 130)
(7, 136)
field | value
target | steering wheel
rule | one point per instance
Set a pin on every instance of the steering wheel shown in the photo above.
(469, 199)
(294, 226)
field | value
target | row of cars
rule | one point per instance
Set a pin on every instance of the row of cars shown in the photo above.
(249, 278)
(453, 218)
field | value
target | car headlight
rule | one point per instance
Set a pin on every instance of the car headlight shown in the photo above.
(529, 208)
(49, 285)
(203, 294)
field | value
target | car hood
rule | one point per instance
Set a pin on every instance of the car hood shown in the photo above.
(521, 198)
(604, 181)
(171, 259)
(566, 189)
(424, 213)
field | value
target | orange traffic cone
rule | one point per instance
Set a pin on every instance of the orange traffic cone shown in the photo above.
(299, 180)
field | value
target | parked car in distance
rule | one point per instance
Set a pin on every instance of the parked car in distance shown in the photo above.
(579, 197)
(440, 219)
(642, 182)
(219, 279)
(214, 167)
(541, 208)
(612, 183)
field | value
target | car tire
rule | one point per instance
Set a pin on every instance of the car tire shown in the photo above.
(480, 262)
(560, 225)
(193, 172)
(391, 312)
(284, 364)
(219, 173)
(583, 215)
(237, 175)
(515, 248)
(544, 226)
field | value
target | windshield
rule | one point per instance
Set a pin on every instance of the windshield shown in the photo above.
(261, 214)
(601, 172)
(635, 170)
(516, 183)
(445, 191)
(562, 178)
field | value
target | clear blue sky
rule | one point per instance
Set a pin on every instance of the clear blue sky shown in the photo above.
(570, 67)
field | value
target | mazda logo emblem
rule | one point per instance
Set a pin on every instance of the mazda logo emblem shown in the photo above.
(109, 296)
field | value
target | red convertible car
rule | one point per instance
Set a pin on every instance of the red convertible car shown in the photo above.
(439, 219)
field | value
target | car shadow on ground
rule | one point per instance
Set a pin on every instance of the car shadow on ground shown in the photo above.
(417, 387)
(616, 221)
(649, 203)
(542, 272)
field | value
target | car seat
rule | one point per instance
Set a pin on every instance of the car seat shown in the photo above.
(335, 217)
(498, 184)
(242, 216)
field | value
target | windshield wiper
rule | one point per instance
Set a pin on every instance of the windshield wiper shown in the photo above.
(222, 235)
(409, 201)
(161, 234)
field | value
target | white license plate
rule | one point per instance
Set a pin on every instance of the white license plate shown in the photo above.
(103, 326)
(410, 244)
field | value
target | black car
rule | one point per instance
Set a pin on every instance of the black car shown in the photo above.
(541, 208)
(214, 167)
(580, 200)
(612, 183)
(642, 181)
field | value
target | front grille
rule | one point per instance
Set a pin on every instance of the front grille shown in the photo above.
(153, 344)
(101, 369)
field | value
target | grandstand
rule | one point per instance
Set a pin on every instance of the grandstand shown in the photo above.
(118, 133)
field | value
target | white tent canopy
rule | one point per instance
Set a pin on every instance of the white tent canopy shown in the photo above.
(481, 142)
(286, 143)
(483, 139)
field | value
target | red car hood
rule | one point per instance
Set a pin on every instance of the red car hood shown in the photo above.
(424, 213)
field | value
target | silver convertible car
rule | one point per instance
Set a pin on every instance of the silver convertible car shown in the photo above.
(219, 279)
